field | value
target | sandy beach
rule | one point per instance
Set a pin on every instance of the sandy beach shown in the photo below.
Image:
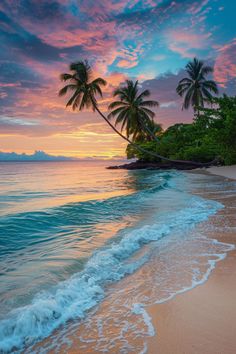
(200, 321)
(161, 308)
(203, 320)
(117, 201)
(225, 171)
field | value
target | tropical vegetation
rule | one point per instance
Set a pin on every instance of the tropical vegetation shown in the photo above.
(132, 111)
(211, 136)
(84, 90)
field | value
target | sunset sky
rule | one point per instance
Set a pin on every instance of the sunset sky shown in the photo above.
(147, 40)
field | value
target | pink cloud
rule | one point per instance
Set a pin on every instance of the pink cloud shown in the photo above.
(101, 30)
(10, 84)
(129, 57)
(47, 108)
(127, 64)
(197, 6)
(185, 43)
(225, 64)
(3, 94)
(99, 35)
(114, 79)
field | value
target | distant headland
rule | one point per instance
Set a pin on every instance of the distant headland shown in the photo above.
(36, 156)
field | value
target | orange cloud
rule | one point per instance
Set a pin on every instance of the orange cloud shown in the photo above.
(128, 57)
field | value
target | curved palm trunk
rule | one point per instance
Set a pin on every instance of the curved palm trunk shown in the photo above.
(128, 140)
(197, 164)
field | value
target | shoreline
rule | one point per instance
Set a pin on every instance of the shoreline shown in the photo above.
(140, 165)
(223, 171)
(203, 319)
(199, 312)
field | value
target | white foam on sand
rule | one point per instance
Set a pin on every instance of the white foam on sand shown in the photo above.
(73, 298)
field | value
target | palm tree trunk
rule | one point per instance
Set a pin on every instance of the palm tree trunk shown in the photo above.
(128, 140)
(149, 131)
(197, 164)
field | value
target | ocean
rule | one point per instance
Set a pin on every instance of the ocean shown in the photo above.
(84, 250)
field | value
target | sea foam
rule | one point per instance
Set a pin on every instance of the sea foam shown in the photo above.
(72, 298)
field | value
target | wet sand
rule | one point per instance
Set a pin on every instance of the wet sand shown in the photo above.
(203, 320)
(199, 321)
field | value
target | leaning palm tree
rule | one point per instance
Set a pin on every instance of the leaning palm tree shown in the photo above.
(84, 90)
(196, 89)
(83, 87)
(132, 111)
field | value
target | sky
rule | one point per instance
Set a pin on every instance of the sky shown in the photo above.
(146, 40)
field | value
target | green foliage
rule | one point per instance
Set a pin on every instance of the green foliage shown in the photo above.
(195, 88)
(81, 86)
(132, 111)
(202, 153)
(211, 136)
(132, 152)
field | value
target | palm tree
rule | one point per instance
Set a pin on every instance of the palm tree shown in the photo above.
(83, 87)
(132, 111)
(196, 89)
(84, 91)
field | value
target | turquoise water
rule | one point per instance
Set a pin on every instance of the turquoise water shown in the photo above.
(70, 230)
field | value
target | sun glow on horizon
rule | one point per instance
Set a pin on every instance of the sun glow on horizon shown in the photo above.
(82, 144)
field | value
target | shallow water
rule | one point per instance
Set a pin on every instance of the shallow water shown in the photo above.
(83, 243)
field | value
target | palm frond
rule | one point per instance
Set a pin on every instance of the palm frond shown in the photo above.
(211, 85)
(207, 70)
(121, 93)
(99, 81)
(73, 98)
(116, 111)
(181, 89)
(188, 98)
(207, 94)
(185, 80)
(121, 118)
(64, 90)
(85, 102)
(145, 93)
(149, 104)
(148, 112)
(95, 88)
(65, 77)
(82, 70)
(115, 104)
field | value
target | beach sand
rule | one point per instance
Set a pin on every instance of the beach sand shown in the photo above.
(225, 171)
(198, 321)
(203, 320)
